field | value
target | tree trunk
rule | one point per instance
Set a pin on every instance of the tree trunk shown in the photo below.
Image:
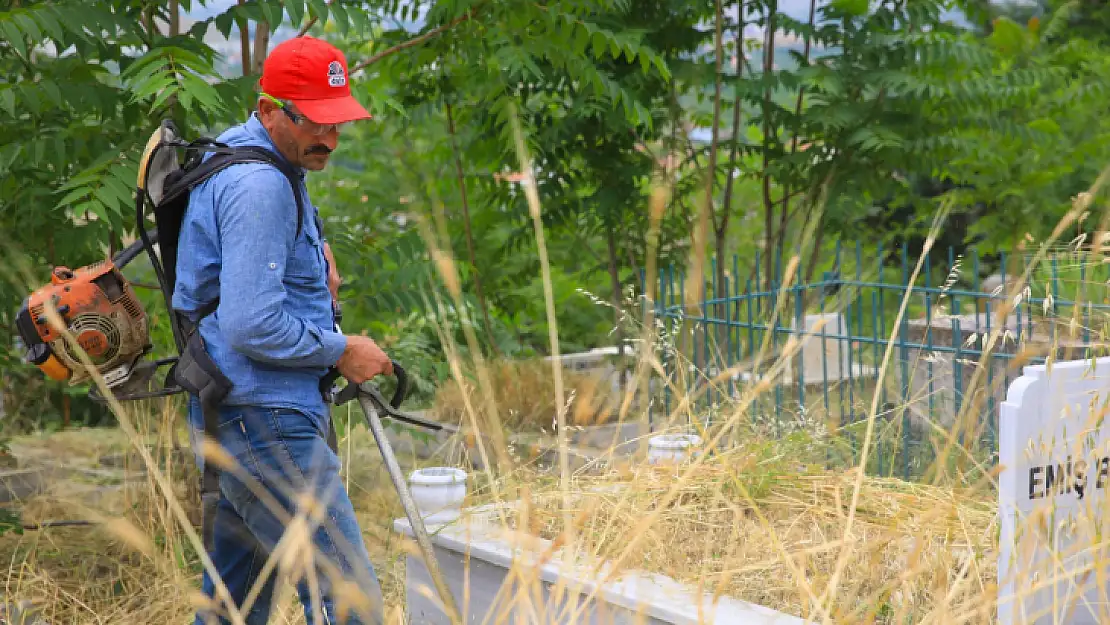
(245, 42)
(768, 128)
(469, 235)
(815, 253)
(737, 108)
(615, 285)
(712, 172)
(261, 45)
(794, 140)
(708, 213)
(175, 18)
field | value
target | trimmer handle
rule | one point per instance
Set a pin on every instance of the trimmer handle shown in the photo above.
(402, 385)
(350, 391)
(368, 395)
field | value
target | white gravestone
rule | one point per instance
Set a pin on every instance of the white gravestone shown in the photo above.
(1054, 490)
(829, 353)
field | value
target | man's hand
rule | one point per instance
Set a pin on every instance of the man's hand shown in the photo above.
(333, 274)
(362, 360)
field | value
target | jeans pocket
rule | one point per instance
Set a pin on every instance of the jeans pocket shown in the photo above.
(304, 445)
(236, 442)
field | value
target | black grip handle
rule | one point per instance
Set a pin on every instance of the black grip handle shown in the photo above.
(350, 391)
(402, 385)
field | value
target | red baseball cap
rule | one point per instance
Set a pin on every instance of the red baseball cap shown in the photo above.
(312, 74)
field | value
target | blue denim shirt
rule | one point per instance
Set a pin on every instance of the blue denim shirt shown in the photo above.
(274, 334)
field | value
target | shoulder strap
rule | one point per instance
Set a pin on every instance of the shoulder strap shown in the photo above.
(223, 158)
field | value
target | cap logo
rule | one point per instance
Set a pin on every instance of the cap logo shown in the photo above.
(336, 77)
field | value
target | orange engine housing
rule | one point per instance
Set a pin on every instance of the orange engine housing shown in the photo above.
(99, 309)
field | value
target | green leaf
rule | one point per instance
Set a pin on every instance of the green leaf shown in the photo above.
(359, 20)
(92, 206)
(1008, 36)
(855, 8)
(339, 17)
(109, 199)
(79, 193)
(14, 37)
(1045, 125)
(203, 92)
(187, 58)
(50, 25)
(162, 98)
(318, 9)
(52, 92)
(30, 99)
(295, 8)
(7, 100)
(250, 12)
(60, 151)
(273, 13)
(8, 155)
(225, 22)
(155, 85)
(116, 186)
(39, 148)
(145, 66)
(10, 521)
(29, 26)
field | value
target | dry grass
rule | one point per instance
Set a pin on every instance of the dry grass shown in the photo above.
(769, 531)
(138, 567)
(524, 392)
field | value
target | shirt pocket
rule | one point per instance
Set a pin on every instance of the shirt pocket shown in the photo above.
(305, 264)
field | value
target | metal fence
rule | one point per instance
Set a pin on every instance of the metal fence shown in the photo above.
(944, 377)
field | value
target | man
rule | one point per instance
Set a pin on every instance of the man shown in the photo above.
(274, 336)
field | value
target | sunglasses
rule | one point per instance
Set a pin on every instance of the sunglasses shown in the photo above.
(305, 123)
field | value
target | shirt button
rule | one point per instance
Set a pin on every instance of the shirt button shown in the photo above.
(273, 265)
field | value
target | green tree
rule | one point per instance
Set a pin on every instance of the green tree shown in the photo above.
(585, 79)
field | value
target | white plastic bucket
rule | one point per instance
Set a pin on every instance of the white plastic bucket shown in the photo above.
(438, 493)
(672, 448)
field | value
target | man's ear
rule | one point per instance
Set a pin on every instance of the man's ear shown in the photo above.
(265, 106)
(266, 110)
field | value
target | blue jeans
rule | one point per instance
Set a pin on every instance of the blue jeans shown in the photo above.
(281, 455)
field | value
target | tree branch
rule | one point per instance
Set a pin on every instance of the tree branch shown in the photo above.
(309, 24)
(461, 178)
(415, 41)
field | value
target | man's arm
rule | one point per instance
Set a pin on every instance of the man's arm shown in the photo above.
(255, 239)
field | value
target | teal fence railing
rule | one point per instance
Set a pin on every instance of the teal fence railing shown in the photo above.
(819, 346)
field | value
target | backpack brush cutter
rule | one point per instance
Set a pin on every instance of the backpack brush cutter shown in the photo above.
(108, 322)
(100, 310)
